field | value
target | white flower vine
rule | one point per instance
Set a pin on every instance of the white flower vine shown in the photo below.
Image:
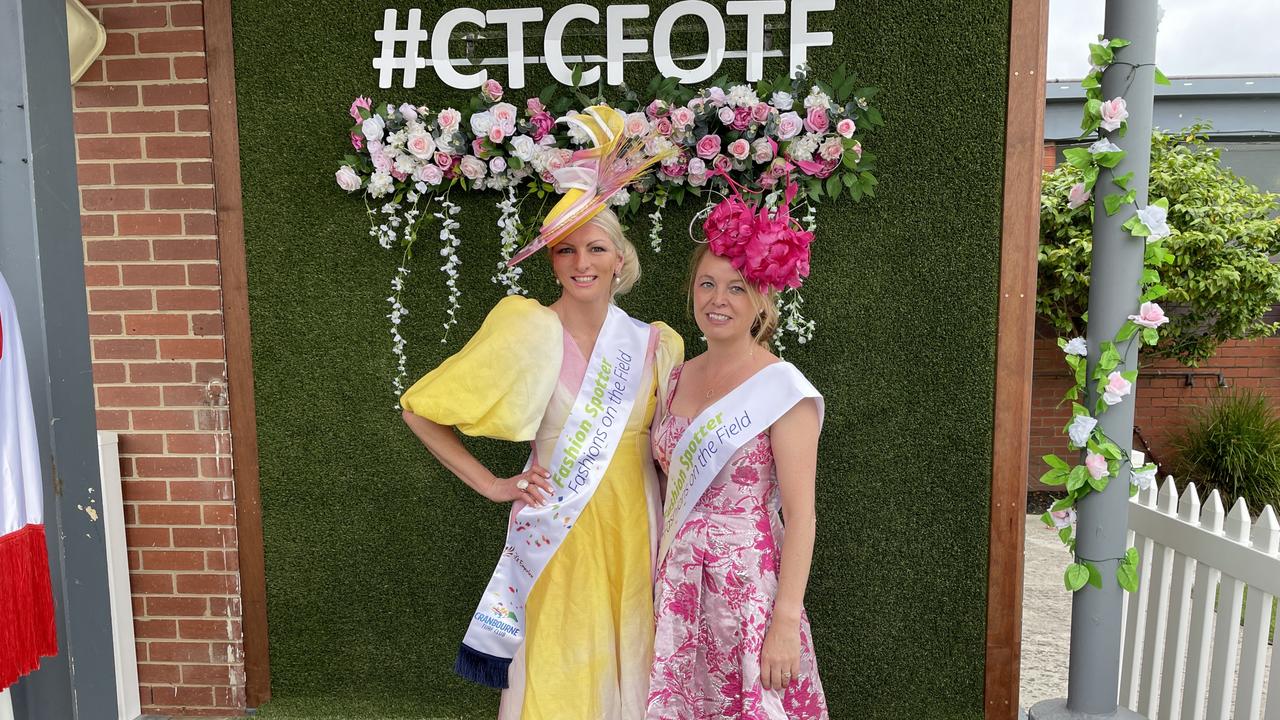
(509, 237)
(449, 251)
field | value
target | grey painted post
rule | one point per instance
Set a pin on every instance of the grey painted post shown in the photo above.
(1093, 681)
(42, 258)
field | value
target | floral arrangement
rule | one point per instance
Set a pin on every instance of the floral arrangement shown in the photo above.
(407, 157)
(1102, 455)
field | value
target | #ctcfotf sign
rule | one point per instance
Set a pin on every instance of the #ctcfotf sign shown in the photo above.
(402, 48)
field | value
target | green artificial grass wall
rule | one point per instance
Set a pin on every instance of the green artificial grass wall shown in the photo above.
(376, 557)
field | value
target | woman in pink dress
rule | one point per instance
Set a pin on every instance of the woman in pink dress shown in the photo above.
(733, 640)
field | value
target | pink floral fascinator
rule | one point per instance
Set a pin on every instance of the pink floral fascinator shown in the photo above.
(765, 244)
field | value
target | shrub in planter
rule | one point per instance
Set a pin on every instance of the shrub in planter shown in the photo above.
(1232, 443)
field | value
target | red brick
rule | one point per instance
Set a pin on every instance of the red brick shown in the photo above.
(197, 173)
(193, 490)
(182, 696)
(163, 420)
(134, 69)
(88, 123)
(150, 224)
(175, 94)
(189, 67)
(181, 198)
(177, 606)
(184, 395)
(230, 697)
(194, 146)
(109, 148)
(108, 372)
(171, 41)
(206, 371)
(213, 419)
(206, 324)
(150, 584)
(105, 324)
(94, 96)
(193, 120)
(204, 274)
(92, 74)
(204, 537)
(195, 349)
(222, 560)
(157, 673)
(159, 324)
(112, 419)
(219, 467)
(208, 629)
(219, 515)
(212, 674)
(109, 349)
(93, 174)
(121, 18)
(173, 560)
(142, 444)
(186, 14)
(97, 225)
(102, 276)
(188, 299)
(144, 121)
(200, 224)
(167, 514)
(146, 173)
(224, 607)
(145, 490)
(104, 300)
(154, 275)
(144, 396)
(166, 629)
(180, 651)
(160, 372)
(119, 43)
(186, 249)
(207, 584)
(165, 466)
(113, 199)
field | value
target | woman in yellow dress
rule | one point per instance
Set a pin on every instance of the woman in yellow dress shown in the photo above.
(565, 626)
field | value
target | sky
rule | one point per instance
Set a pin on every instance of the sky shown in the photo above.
(1196, 37)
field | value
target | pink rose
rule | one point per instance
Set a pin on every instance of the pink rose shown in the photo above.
(480, 149)
(697, 104)
(760, 113)
(635, 125)
(739, 149)
(534, 106)
(675, 168)
(726, 115)
(1113, 113)
(789, 125)
(381, 162)
(361, 103)
(497, 134)
(472, 168)
(429, 174)
(1117, 387)
(816, 119)
(505, 114)
(420, 145)
(817, 169)
(491, 90)
(444, 160)
(708, 146)
(657, 109)
(846, 128)
(697, 180)
(398, 174)
(1150, 315)
(741, 118)
(1097, 465)
(856, 149)
(831, 149)
(716, 96)
(1077, 196)
(681, 118)
(697, 166)
(723, 163)
(357, 141)
(449, 119)
(663, 126)
(763, 149)
(542, 124)
(1063, 518)
(347, 178)
(408, 112)
(497, 164)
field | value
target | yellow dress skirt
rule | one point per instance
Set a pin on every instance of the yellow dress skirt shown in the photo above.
(589, 618)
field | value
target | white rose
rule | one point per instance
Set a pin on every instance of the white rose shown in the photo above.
(504, 114)
(482, 123)
(380, 184)
(472, 167)
(782, 100)
(1080, 429)
(347, 178)
(373, 127)
(1144, 477)
(522, 147)
(1102, 146)
(1076, 346)
(1156, 219)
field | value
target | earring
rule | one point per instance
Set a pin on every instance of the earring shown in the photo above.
(617, 280)
(557, 282)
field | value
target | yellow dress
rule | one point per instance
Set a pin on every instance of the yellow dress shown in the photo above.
(589, 618)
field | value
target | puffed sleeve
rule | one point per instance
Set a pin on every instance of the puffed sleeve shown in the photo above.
(498, 385)
(669, 353)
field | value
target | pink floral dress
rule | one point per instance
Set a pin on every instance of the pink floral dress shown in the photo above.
(715, 592)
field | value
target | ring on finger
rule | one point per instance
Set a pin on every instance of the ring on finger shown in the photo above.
(522, 484)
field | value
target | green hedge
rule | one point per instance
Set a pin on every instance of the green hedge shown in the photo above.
(376, 557)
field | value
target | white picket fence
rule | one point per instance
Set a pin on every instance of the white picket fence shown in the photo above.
(1183, 658)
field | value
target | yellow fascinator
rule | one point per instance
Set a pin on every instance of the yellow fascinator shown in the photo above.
(593, 174)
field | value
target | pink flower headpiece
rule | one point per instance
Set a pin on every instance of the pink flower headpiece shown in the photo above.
(766, 245)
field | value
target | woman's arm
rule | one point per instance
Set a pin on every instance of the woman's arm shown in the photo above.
(444, 444)
(794, 438)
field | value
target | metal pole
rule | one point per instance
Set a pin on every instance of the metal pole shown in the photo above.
(1117, 259)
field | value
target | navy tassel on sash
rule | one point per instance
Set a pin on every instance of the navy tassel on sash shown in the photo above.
(482, 668)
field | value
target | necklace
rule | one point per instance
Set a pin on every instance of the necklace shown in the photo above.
(711, 388)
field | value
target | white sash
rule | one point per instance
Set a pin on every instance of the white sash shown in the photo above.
(591, 433)
(717, 433)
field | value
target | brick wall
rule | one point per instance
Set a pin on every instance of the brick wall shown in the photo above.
(155, 319)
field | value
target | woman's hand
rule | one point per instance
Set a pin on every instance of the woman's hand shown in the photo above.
(780, 657)
(533, 486)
